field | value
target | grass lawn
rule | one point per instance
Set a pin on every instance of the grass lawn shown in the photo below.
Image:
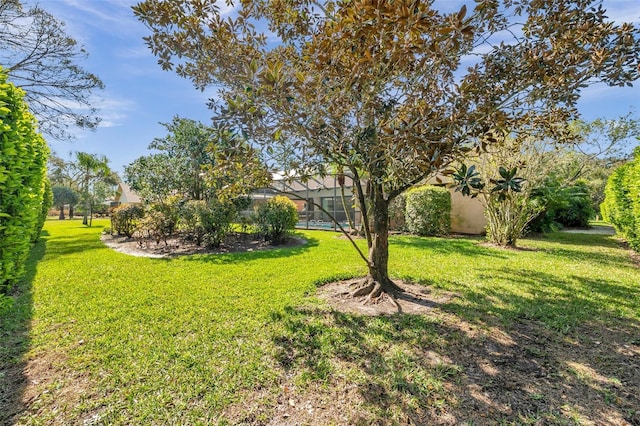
(549, 334)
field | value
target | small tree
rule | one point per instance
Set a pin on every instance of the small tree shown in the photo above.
(91, 170)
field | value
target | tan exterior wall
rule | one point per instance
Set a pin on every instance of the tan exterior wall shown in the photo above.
(467, 214)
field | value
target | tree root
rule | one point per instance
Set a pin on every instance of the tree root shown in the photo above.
(375, 292)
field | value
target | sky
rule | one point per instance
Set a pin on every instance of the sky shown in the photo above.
(139, 95)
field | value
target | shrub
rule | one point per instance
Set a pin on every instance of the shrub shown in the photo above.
(276, 218)
(23, 158)
(125, 218)
(577, 208)
(428, 210)
(207, 222)
(569, 206)
(156, 225)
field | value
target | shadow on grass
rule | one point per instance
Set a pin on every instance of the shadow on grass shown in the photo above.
(407, 369)
(71, 244)
(465, 247)
(14, 338)
(274, 252)
(561, 303)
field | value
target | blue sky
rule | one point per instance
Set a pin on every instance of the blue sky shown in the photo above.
(139, 95)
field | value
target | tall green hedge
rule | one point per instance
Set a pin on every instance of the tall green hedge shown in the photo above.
(428, 211)
(621, 206)
(23, 159)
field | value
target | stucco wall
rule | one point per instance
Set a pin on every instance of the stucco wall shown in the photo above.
(467, 214)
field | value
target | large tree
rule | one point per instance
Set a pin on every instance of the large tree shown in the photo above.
(391, 90)
(44, 61)
(196, 162)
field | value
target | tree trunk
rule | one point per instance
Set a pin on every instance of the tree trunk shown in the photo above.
(346, 209)
(85, 212)
(70, 211)
(61, 217)
(378, 281)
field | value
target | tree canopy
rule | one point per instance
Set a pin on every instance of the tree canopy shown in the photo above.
(44, 61)
(196, 162)
(391, 90)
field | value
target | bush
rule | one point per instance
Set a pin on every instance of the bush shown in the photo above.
(23, 158)
(125, 218)
(428, 211)
(156, 225)
(570, 206)
(276, 218)
(160, 221)
(207, 222)
(577, 210)
(621, 206)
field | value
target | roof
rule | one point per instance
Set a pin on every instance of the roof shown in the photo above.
(124, 194)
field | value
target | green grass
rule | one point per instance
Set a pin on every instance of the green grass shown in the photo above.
(224, 338)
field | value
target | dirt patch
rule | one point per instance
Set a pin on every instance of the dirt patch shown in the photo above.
(235, 243)
(417, 299)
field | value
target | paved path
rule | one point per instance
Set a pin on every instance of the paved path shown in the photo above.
(596, 229)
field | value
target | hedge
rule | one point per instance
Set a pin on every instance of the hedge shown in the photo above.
(23, 159)
(621, 206)
(428, 211)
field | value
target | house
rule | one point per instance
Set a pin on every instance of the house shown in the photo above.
(467, 214)
(125, 195)
(318, 196)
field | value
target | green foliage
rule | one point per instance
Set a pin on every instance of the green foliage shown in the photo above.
(621, 206)
(23, 158)
(125, 219)
(155, 225)
(64, 195)
(47, 202)
(160, 220)
(508, 182)
(468, 181)
(276, 218)
(207, 222)
(569, 206)
(197, 162)
(428, 211)
(94, 176)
